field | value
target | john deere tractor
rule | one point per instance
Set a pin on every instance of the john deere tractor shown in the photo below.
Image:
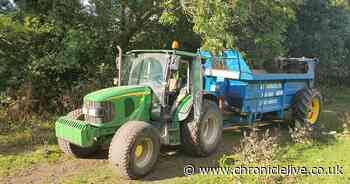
(159, 101)
(172, 97)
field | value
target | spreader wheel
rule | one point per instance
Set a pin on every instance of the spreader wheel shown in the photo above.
(307, 107)
(135, 149)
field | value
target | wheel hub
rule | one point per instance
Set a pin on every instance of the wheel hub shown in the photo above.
(143, 152)
(314, 110)
(138, 151)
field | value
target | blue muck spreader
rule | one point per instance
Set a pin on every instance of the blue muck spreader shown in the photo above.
(247, 96)
(172, 97)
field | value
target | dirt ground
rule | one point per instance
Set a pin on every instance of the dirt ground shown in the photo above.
(169, 166)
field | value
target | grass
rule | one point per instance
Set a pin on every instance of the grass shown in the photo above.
(33, 132)
(321, 156)
(10, 164)
(327, 151)
(25, 144)
(311, 155)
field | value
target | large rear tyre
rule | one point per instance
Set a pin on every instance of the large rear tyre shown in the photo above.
(307, 108)
(203, 137)
(74, 150)
(135, 149)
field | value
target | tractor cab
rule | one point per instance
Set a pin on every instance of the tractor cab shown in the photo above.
(173, 76)
(169, 73)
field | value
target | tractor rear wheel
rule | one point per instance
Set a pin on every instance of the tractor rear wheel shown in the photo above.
(72, 149)
(135, 149)
(203, 137)
(307, 107)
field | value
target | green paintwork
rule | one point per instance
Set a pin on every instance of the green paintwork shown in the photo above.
(184, 109)
(180, 114)
(75, 131)
(83, 134)
(79, 132)
(142, 98)
(140, 95)
(105, 94)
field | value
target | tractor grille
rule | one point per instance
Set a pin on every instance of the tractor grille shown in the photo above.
(75, 131)
(106, 111)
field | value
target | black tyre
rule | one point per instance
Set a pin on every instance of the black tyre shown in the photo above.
(74, 150)
(134, 149)
(77, 151)
(307, 107)
(76, 114)
(202, 138)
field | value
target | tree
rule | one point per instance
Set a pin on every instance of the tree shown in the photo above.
(257, 28)
(260, 28)
(67, 44)
(211, 19)
(322, 30)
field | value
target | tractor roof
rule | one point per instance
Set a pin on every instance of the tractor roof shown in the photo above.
(175, 52)
(302, 59)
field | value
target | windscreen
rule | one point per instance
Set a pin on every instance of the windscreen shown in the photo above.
(149, 69)
(144, 68)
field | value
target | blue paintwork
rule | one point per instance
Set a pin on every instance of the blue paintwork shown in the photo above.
(254, 94)
(235, 62)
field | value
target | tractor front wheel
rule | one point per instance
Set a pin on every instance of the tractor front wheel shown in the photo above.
(77, 151)
(135, 149)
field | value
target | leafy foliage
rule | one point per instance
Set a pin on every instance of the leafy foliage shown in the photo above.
(322, 30)
(211, 17)
(52, 49)
(59, 46)
(259, 28)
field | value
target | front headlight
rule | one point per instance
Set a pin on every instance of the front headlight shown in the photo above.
(95, 112)
(98, 112)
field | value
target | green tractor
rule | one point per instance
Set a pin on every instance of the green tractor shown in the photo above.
(158, 101)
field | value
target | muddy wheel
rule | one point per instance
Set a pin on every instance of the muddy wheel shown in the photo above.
(74, 150)
(76, 114)
(203, 137)
(307, 108)
(134, 149)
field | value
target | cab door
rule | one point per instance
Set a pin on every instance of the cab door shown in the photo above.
(196, 80)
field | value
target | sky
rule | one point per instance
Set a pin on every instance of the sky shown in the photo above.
(85, 2)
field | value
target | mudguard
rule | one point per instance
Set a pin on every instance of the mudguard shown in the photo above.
(184, 109)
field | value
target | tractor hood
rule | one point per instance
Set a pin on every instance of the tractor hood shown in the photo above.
(116, 92)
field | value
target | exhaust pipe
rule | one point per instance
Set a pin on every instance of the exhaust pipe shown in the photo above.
(119, 64)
